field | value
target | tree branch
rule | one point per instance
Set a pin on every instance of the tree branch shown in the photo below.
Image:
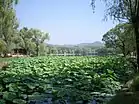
(130, 7)
(135, 8)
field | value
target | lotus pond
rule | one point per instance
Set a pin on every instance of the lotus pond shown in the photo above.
(62, 80)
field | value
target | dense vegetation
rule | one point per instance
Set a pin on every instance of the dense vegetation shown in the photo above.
(117, 39)
(29, 39)
(62, 79)
(126, 11)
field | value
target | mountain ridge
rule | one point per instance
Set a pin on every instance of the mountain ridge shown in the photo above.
(94, 44)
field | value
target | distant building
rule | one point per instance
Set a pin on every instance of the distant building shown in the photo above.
(20, 51)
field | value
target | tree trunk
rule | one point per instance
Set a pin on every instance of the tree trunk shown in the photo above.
(37, 49)
(136, 27)
(124, 51)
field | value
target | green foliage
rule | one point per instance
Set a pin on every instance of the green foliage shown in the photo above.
(125, 11)
(8, 24)
(103, 51)
(61, 79)
(121, 10)
(38, 38)
(2, 46)
(32, 40)
(121, 38)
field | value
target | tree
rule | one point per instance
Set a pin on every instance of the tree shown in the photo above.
(121, 37)
(8, 24)
(77, 51)
(2, 46)
(25, 36)
(102, 51)
(38, 38)
(125, 11)
(53, 50)
(15, 1)
(32, 40)
(42, 49)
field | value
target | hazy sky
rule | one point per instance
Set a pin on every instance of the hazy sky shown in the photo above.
(67, 21)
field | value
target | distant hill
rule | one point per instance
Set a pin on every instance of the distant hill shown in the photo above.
(96, 44)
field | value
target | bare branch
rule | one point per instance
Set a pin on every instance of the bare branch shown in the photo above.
(130, 7)
(137, 10)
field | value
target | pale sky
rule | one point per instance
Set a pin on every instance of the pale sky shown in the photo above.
(67, 21)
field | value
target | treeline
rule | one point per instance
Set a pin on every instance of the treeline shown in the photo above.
(79, 51)
(11, 38)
